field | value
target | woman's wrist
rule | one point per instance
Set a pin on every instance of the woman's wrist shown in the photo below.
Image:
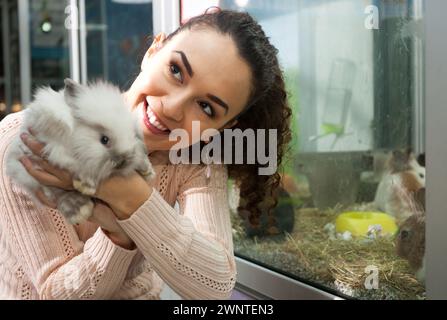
(125, 194)
(120, 239)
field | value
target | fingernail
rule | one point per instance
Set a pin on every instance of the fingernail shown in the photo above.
(24, 136)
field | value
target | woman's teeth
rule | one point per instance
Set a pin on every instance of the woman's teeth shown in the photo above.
(153, 120)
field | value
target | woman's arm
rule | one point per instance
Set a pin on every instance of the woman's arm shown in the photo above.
(191, 251)
(58, 264)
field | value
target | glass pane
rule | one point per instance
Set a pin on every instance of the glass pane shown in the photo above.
(352, 203)
(118, 33)
(48, 54)
(50, 62)
(9, 58)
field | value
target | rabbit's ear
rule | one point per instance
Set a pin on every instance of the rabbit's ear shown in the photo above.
(71, 91)
(400, 160)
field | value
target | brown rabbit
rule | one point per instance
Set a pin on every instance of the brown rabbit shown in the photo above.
(410, 241)
(403, 179)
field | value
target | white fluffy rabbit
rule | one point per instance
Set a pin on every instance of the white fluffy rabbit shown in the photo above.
(398, 188)
(87, 130)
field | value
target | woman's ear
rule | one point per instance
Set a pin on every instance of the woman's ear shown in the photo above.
(155, 47)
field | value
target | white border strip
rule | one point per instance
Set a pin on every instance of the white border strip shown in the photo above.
(436, 115)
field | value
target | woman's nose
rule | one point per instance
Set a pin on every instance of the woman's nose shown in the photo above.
(174, 107)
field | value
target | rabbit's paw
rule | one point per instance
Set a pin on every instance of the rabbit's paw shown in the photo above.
(146, 170)
(86, 187)
(75, 207)
(83, 214)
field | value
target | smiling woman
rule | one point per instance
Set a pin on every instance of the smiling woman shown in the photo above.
(176, 87)
(218, 69)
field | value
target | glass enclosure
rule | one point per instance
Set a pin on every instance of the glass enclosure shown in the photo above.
(49, 43)
(352, 202)
(46, 51)
(352, 205)
(117, 35)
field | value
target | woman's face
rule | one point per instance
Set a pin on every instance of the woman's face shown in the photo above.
(197, 75)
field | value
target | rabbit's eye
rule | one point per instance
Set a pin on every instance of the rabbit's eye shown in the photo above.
(404, 234)
(105, 140)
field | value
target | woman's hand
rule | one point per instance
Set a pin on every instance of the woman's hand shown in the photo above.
(41, 170)
(106, 219)
(124, 194)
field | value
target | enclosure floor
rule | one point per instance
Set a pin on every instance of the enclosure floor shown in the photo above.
(310, 252)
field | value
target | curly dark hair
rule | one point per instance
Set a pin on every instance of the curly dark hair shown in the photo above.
(267, 108)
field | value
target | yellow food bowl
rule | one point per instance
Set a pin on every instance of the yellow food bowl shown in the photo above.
(358, 223)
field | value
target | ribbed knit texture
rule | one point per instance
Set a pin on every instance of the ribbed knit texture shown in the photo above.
(44, 257)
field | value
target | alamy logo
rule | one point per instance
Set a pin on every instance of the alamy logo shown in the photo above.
(372, 19)
(372, 278)
(256, 152)
(72, 19)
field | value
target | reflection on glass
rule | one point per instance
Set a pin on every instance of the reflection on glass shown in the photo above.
(352, 204)
(9, 59)
(49, 44)
(117, 35)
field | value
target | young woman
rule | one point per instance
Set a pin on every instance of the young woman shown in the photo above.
(218, 69)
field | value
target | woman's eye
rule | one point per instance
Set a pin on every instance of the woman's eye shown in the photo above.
(207, 109)
(176, 71)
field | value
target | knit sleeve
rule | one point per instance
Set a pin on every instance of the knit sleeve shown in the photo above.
(47, 249)
(191, 251)
(140, 283)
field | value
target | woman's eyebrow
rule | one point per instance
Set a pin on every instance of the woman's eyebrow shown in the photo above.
(191, 74)
(186, 63)
(219, 102)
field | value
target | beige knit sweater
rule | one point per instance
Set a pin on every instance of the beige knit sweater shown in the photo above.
(44, 257)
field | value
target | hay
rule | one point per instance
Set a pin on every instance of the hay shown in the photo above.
(310, 253)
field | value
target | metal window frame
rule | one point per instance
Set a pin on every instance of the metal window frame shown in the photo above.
(74, 40)
(83, 42)
(262, 283)
(166, 15)
(25, 52)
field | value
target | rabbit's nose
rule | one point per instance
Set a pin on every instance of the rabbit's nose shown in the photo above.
(120, 162)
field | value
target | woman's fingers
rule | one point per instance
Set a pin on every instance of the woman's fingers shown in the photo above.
(33, 144)
(43, 164)
(46, 173)
(43, 198)
(105, 217)
(64, 177)
(42, 176)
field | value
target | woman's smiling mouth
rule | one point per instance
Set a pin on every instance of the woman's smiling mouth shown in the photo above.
(152, 122)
